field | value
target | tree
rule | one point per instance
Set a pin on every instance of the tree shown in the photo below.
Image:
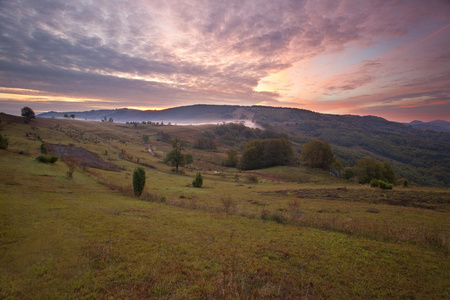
(138, 181)
(28, 113)
(111, 120)
(198, 181)
(232, 158)
(368, 168)
(259, 154)
(317, 154)
(175, 157)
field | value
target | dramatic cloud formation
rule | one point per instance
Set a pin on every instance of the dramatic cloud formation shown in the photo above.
(385, 58)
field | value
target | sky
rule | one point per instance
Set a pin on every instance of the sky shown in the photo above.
(388, 58)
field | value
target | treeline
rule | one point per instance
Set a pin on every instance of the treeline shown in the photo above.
(422, 155)
(235, 133)
(260, 154)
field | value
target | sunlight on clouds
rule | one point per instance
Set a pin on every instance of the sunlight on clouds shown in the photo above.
(146, 107)
(12, 94)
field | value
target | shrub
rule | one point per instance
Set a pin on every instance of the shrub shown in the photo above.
(145, 138)
(229, 205)
(47, 159)
(72, 163)
(348, 173)
(138, 181)
(402, 182)
(3, 142)
(43, 149)
(374, 183)
(385, 185)
(295, 210)
(275, 216)
(198, 181)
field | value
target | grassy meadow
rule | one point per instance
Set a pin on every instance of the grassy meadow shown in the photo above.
(278, 233)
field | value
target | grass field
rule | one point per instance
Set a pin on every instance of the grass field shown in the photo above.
(295, 234)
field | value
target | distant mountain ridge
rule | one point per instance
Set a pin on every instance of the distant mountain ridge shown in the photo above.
(438, 125)
(421, 155)
(185, 114)
(202, 113)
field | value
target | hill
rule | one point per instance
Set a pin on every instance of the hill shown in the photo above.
(277, 233)
(422, 156)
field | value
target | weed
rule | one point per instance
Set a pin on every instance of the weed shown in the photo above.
(295, 210)
(229, 205)
(146, 196)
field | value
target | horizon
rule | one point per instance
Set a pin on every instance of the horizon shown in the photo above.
(386, 59)
(123, 108)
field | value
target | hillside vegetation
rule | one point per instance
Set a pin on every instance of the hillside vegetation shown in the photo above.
(74, 228)
(422, 156)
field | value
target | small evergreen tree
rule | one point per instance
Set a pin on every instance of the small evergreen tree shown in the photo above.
(3, 142)
(198, 181)
(43, 149)
(138, 181)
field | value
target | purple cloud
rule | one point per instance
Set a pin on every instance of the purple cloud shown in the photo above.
(150, 54)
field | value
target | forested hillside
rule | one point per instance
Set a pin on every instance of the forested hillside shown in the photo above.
(421, 155)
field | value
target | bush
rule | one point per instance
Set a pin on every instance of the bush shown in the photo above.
(43, 149)
(198, 181)
(3, 142)
(385, 185)
(402, 182)
(275, 216)
(71, 163)
(374, 183)
(47, 159)
(348, 173)
(229, 205)
(405, 183)
(138, 181)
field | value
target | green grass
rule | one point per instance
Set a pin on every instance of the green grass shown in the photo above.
(78, 238)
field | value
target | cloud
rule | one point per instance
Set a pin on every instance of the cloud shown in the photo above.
(162, 54)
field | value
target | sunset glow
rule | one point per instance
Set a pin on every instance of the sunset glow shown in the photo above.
(390, 59)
